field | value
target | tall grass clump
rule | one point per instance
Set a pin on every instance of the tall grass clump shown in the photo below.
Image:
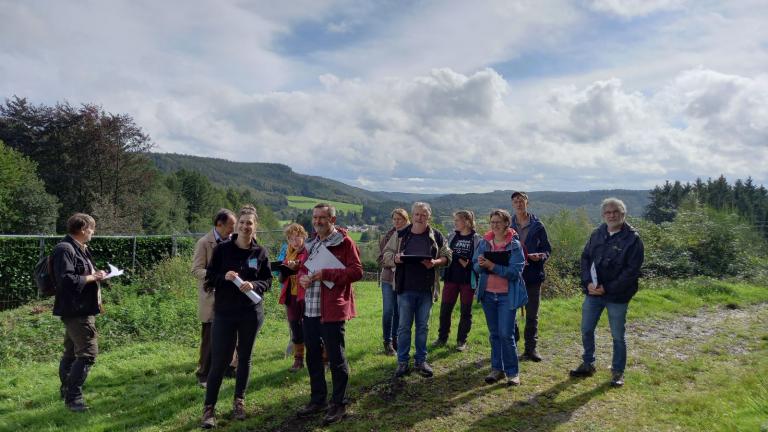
(568, 231)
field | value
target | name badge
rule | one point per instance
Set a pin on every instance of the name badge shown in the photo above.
(253, 263)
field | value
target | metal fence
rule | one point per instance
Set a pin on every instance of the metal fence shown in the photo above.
(17, 286)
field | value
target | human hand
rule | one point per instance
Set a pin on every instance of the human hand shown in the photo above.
(100, 275)
(293, 265)
(397, 258)
(484, 263)
(230, 275)
(535, 256)
(429, 263)
(246, 286)
(463, 262)
(595, 290)
(305, 281)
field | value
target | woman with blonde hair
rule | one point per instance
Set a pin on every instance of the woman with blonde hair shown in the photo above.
(389, 316)
(292, 293)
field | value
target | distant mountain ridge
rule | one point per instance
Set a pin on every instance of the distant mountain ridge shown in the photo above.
(275, 181)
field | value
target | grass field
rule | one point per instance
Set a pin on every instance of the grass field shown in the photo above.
(304, 203)
(698, 356)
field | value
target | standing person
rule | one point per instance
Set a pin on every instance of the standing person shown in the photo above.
(501, 291)
(614, 254)
(240, 260)
(78, 301)
(292, 293)
(458, 279)
(326, 310)
(390, 316)
(533, 236)
(417, 283)
(223, 226)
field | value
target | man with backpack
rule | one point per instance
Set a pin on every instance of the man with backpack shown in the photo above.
(78, 301)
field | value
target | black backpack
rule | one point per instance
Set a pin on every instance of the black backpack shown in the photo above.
(43, 274)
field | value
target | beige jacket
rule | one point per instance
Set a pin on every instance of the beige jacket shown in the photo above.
(393, 246)
(203, 254)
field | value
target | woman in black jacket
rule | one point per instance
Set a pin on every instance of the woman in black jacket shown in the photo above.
(239, 268)
(534, 238)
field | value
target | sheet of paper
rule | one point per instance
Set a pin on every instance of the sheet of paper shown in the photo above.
(113, 271)
(321, 259)
(255, 298)
(593, 273)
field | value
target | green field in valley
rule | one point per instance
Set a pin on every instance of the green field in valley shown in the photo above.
(304, 203)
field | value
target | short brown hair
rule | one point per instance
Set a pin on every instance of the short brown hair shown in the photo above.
(329, 208)
(222, 215)
(402, 212)
(467, 215)
(295, 229)
(248, 209)
(520, 194)
(502, 214)
(78, 221)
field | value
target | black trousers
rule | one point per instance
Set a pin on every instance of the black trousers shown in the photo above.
(227, 332)
(531, 332)
(331, 335)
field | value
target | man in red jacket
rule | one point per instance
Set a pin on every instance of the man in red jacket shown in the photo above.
(326, 310)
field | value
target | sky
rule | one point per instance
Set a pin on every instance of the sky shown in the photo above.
(418, 96)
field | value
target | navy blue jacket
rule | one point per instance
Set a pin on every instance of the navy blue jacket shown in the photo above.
(535, 242)
(617, 259)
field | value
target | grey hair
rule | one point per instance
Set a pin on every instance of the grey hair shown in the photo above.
(614, 202)
(422, 205)
(331, 210)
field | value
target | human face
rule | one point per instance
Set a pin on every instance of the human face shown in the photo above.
(520, 204)
(88, 232)
(420, 216)
(498, 225)
(296, 242)
(398, 221)
(613, 217)
(246, 226)
(459, 223)
(322, 221)
(226, 229)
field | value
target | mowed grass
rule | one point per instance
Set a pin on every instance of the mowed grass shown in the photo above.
(304, 203)
(711, 382)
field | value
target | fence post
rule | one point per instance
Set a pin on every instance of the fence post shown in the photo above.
(174, 247)
(133, 267)
(42, 253)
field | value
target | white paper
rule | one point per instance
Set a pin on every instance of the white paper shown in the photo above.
(322, 259)
(593, 273)
(255, 298)
(113, 271)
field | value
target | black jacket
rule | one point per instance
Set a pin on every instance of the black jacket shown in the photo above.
(535, 242)
(229, 300)
(74, 297)
(617, 259)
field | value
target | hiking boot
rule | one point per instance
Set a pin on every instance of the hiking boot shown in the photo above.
(461, 346)
(439, 342)
(402, 370)
(531, 356)
(335, 413)
(389, 349)
(584, 370)
(298, 358)
(617, 379)
(513, 381)
(77, 405)
(209, 417)
(238, 409)
(494, 376)
(424, 369)
(311, 408)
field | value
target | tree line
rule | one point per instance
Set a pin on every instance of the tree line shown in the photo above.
(61, 159)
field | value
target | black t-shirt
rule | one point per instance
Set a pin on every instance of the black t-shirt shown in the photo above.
(418, 277)
(462, 247)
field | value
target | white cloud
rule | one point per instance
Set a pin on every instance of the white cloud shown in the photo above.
(635, 8)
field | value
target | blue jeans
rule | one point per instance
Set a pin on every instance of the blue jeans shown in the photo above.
(617, 316)
(413, 305)
(390, 316)
(501, 325)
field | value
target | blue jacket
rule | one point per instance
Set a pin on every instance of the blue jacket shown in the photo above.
(518, 296)
(617, 259)
(535, 242)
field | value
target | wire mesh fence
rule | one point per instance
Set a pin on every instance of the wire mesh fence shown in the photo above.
(137, 254)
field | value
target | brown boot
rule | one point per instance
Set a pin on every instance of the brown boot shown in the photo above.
(298, 357)
(209, 417)
(238, 409)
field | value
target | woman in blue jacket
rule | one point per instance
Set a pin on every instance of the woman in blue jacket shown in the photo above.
(534, 236)
(501, 291)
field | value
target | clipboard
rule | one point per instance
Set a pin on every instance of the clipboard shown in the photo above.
(414, 258)
(498, 257)
(321, 258)
(282, 268)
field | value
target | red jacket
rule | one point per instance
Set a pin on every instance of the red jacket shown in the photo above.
(301, 257)
(338, 303)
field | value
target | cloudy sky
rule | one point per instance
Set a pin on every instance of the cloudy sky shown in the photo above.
(431, 96)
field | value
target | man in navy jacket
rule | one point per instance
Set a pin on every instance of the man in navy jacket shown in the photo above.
(610, 268)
